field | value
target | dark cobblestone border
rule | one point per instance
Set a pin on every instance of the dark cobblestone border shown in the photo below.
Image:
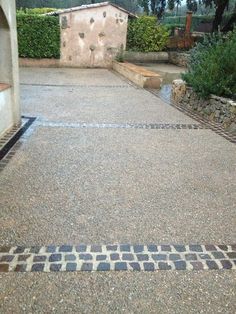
(148, 126)
(215, 127)
(117, 257)
(9, 143)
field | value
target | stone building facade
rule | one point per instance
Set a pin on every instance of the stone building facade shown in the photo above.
(91, 35)
(9, 78)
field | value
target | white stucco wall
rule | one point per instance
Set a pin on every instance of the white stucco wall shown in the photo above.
(93, 36)
(9, 99)
(6, 115)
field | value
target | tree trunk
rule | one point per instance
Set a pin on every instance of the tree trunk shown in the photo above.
(229, 26)
(153, 6)
(221, 5)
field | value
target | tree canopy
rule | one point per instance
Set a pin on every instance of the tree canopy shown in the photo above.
(153, 7)
(131, 5)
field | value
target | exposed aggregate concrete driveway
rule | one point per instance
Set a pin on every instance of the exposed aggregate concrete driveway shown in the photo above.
(69, 185)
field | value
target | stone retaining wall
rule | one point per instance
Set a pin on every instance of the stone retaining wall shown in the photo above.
(41, 63)
(133, 56)
(178, 58)
(138, 75)
(217, 109)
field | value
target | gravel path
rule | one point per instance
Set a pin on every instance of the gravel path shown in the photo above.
(92, 170)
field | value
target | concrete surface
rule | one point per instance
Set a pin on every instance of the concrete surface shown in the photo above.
(167, 71)
(157, 293)
(62, 76)
(70, 185)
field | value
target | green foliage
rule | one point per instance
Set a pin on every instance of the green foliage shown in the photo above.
(36, 10)
(212, 66)
(196, 20)
(172, 27)
(145, 35)
(38, 36)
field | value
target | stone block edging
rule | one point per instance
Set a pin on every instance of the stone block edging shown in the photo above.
(138, 75)
(134, 56)
(40, 63)
(117, 257)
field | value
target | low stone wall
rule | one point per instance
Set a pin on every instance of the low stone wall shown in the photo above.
(178, 58)
(39, 63)
(133, 56)
(139, 75)
(217, 109)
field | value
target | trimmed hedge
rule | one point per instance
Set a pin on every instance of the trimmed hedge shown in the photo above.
(38, 36)
(145, 35)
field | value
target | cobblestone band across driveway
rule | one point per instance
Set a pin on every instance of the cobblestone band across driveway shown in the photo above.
(150, 126)
(123, 257)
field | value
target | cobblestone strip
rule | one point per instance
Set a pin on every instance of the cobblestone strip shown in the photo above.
(123, 257)
(215, 127)
(150, 126)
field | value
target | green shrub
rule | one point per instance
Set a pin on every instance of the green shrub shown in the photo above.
(212, 66)
(36, 10)
(38, 36)
(145, 35)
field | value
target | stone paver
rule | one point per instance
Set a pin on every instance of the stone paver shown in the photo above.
(70, 182)
(121, 257)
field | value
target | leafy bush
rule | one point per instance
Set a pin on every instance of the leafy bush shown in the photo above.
(38, 36)
(212, 66)
(145, 35)
(36, 10)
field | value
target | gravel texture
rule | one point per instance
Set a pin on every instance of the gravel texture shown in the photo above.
(98, 104)
(162, 292)
(97, 96)
(71, 185)
(70, 76)
(119, 186)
